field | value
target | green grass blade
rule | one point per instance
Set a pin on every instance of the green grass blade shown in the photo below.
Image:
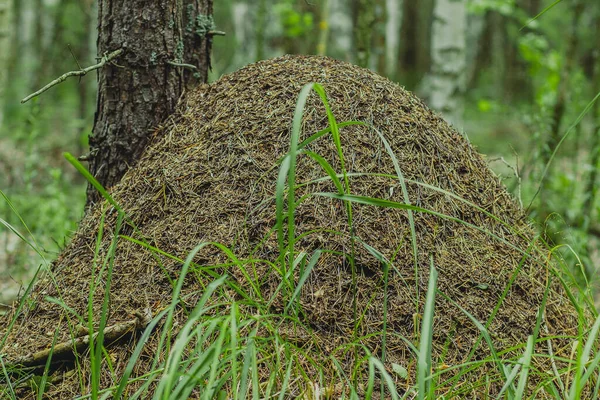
(525, 365)
(137, 352)
(313, 261)
(425, 345)
(385, 377)
(582, 362)
(328, 168)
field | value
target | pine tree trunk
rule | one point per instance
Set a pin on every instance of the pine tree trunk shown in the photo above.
(141, 87)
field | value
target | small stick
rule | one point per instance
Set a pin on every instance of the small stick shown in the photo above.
(61, 350)
(216, 33)
(80, 72)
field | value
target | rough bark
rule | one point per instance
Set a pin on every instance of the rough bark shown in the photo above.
(446, 82)
(142, 87)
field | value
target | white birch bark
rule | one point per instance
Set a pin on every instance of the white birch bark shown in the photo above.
(446, 81)
(392, 35)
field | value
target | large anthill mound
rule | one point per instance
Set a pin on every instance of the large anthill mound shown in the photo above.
(210, 176)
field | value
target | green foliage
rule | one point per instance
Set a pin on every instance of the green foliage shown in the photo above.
(504, 7)
(544, 66)
(295, 22)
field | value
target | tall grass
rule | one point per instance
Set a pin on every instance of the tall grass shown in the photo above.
(227, 349)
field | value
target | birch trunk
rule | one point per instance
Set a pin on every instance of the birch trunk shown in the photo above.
(446, 81)
(392, 35)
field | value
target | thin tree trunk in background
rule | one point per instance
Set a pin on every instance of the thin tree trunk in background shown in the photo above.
(415, 43)
(14, 59)
(477, 25)
(84, 55)
(340, 30)
(392, 36)
(446, 82)
(323, 29)
(261, 22)
(56, 57)
(364, 18)
(38, 43)
(378, 41)
(141, 88)
(561, 100)
(5, 40)
(591, 188)
(497, 51)
(518, 85)
(244, 34)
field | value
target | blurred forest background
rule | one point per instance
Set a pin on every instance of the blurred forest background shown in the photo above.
(517, 77)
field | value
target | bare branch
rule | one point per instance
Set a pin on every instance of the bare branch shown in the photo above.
(61, 350)
(183, 65)
(107, 58)
(216, 33)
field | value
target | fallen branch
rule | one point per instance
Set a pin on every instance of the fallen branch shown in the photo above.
(107, 58)
(70, 347)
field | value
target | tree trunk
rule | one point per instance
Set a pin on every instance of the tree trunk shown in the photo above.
(415, 41)
(340, 30)
(392, 36)
(475, 46)
(591, 188)
(5, 40)
(323, 29)
(141, 87)
(446, 82)
(364, 17)
(38, 44)
(559, 108)
(84, 52)
(261, 22)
